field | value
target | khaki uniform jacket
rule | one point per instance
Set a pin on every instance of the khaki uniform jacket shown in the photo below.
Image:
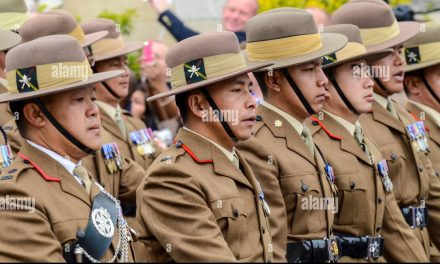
(365, 208)
(409, 170)
(121, 184)
(195, 205)
(127, 148)
(62, 207)
(288, 174)
(433, 203)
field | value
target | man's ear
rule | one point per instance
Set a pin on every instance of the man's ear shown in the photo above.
(34, 116)
(413, 85)
(273, 80)
(197, 104)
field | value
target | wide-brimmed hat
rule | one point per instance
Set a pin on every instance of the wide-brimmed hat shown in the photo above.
(423, 50)
(205, 59)
(57, 22)
(288, 36)
(48, 65)
(112, 45)
(377, 23)
(354, 49)
(13, 13)
(8, 39)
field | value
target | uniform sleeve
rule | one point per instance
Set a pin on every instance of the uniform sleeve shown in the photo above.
(174, 209)
(433, 205)
(26, 236)
(395, 228)
(131, 176)
(175, 26)
(260, 160)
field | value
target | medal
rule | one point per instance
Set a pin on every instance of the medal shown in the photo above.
(382, 167)
(331, 178)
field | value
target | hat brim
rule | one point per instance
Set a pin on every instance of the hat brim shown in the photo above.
(419, 66)
(93, 37)
(128, 48)
(331, 42)
(96, 78)
(372, 55)
(408, 30)
(185, 88)
(9, 39)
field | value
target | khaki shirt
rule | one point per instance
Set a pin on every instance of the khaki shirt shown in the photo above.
(61, 205)
(195, 206)
(290, 177)
(365, 208)
(409, 169)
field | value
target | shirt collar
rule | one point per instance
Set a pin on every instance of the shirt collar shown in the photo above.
(66, 163)
(343, 122)
(433, 114)
(381, 100)
(229, 154)
(109, 109)
(298, 126)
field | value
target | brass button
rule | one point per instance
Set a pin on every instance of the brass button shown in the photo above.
(235, 212)
(379, 200)
(378, 229)
(393, 156)
(352, 185)
(304, 187)
(420, 168)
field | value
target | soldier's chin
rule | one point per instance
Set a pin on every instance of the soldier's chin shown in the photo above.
(93, 142)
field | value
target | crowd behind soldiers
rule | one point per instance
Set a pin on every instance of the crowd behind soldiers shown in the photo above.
(282, 144)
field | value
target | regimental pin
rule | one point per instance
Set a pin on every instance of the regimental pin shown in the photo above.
(278, 123)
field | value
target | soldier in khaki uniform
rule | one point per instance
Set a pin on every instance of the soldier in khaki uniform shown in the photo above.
(119, 178)
(111, 53)
(423, 89)
(71, 217)
(368, 222)
(389, 125)
(200, 200)
(281, 151)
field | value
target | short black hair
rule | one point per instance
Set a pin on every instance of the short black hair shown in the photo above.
(182, 104)
(261, 80)
(18, 115)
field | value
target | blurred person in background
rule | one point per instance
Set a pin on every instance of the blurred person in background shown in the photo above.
(234, 17)
(320, 15)
(163, 113)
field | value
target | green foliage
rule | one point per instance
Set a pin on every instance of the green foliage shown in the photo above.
(329, 5)
(124, 20)
(133, 63)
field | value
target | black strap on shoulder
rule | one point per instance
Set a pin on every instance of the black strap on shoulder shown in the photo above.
(297, 91)
(4, 135)
(341, 94)
(429, 87)
(219, 114)
(110, 90)
(61, 129)
(381, 86)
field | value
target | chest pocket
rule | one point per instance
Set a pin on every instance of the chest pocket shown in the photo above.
(301, 195)
(352, 195)
(231, 216)
(397, 164)
(66, 231)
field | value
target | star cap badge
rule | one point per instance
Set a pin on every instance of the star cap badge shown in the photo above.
(194, 71)
(278, 123)
(412, 55)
